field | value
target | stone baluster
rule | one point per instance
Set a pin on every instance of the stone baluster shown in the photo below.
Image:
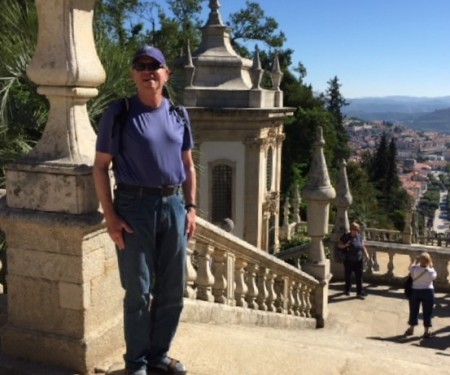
(250, 279)
(302, 299)
(279, 291)
(296, 298)
(271, 297)
(191, 273)
(241, 289)
(263, 293)
(205, 278)
(219, 289)
(390, 266)
(310, 303)
(290, 298)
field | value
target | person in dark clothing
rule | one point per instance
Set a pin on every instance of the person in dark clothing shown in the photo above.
(352, 245)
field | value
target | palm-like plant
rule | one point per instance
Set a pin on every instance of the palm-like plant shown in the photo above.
(22, 112)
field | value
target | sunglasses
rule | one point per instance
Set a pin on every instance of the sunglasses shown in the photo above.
(140, 66)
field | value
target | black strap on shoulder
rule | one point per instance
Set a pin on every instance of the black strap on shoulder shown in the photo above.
(180, 112)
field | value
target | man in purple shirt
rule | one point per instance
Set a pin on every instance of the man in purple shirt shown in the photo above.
(152, 213)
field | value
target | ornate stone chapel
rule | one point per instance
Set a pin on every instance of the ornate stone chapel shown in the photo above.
(238, 128)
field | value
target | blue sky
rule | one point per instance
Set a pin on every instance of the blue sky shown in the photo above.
(374, 47)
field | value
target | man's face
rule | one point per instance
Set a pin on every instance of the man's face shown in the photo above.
(149, 75)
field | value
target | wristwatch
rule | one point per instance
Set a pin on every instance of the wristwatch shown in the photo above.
(189, 207)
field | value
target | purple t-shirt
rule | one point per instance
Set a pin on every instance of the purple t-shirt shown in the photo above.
(151, 144)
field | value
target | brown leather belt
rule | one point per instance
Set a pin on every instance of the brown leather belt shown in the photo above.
(164, 191)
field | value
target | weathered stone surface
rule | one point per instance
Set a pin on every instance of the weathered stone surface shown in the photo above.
(34, 304)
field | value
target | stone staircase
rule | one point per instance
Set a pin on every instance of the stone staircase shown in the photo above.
(362, 337)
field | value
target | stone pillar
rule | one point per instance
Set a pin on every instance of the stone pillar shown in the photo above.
(64, 295)
(318, 194)
(254, 197)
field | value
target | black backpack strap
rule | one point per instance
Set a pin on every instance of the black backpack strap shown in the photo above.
(180, 111)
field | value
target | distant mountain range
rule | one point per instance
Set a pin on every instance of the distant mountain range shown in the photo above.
(420, 113)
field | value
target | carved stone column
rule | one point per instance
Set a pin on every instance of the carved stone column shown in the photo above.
(56, 175)
(318, 194)
(64, 295)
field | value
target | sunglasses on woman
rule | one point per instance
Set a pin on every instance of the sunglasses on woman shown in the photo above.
(140, 66)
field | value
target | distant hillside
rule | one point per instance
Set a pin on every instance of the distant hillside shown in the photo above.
(404, 109)
(435, 121)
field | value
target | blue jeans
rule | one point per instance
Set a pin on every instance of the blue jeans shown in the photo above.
(152, 272)
(426, 298)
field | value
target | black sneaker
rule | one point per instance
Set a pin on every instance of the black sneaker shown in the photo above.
(361, 295)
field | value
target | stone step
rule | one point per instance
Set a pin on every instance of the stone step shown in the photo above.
(360, 337)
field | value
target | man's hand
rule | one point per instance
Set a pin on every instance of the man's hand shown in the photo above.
(190, 222)
(116, 226)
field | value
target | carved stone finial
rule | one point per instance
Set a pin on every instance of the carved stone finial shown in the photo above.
(342, 202)
(215, 19)
(276, 75)
(343, 196)
(189, 68)
(257, 72)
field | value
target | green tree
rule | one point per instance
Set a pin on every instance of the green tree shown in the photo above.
(298, 147)
(252, 24)
(117, 18)
(382, 170)
(334, 104)
(376, 165)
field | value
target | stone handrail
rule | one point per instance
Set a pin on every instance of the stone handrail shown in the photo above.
(227, 270)
(390, 263)
(383, 235)
(434, 240)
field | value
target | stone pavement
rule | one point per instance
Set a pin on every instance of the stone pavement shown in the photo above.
(361, 337)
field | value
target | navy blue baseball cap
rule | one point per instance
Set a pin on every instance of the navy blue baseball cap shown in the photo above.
(150, 51)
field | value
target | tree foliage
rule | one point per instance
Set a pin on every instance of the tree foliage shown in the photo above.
(120, 26)
(381, 167)
(251, 24)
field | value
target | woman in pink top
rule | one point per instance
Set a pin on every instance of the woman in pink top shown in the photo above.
(423, 274)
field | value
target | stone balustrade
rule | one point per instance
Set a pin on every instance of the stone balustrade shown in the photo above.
(390, 263)
(383, 235)
(227, 270)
